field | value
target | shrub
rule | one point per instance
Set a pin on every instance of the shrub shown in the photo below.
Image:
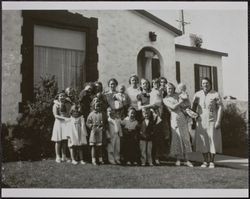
(31, 136)
(234, 129)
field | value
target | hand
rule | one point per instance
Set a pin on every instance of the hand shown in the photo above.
(217, 125)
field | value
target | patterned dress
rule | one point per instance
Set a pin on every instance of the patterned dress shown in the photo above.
(180, 143)
(207, 139)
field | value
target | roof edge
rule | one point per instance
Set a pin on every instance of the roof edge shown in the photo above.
(159, 21)
(201, 50)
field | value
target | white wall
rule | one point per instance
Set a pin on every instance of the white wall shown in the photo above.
(121, 35)
(11, 64)
(188, 58)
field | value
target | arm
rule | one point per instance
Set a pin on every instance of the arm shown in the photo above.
(171, 105)
(89, 121)
(219, 113)
(55, 113)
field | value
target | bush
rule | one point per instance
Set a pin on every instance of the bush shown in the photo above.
(234, 131)
(31, 136)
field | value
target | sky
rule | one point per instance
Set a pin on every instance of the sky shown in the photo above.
(222, 25)
(224, 31)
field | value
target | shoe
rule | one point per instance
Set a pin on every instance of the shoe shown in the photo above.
(94, 162)
(135, 163)
(101, 161)
(112, 162)
(128, 163)
(204, 165)
(68, 161)
(211, 165)
(143, 164)
(189, 164)
(64, 159)
(74, 162)
(178, 163)
(118, 162)
(82, 162)
(157, 162)
(58, 160)
(151, 164)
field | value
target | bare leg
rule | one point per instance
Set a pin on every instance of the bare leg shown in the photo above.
(93, 154)
(71, 150)
(57, 150)
(64, 147)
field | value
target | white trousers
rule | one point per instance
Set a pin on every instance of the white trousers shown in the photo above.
(113, 149)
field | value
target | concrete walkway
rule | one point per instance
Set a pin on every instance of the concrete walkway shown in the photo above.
(223, 160)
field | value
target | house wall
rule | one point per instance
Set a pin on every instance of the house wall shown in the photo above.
(11, 64)
(188, 58)
(122, 38)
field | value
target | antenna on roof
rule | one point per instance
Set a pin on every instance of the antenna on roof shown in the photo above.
(182, 22)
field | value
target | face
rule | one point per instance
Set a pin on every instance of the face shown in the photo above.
(61, 97)
(146, 113)
(97, 106)
(144, 85)
(89, 90)
(133, 80)
(205, 85)
(122, 89)
(98, 88)
(162, 83)
(131, 114)
(156, 85)
(70, 92)
(170, 89)
(112, 85)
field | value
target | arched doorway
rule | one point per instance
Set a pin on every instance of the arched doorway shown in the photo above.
(149, 63)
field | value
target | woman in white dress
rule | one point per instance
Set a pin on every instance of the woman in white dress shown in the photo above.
(208, 104)
(180, 143)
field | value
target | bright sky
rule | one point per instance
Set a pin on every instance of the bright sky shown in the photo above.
(222, 25)
(221, 30)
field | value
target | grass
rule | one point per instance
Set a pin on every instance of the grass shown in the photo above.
(48, 174)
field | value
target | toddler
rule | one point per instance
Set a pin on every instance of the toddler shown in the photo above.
(186, 105)
(130, 137)
(96, 121)
(114, 133)
(77, 134)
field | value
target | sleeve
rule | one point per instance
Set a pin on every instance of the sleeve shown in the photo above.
(89, 121)
(195, 102)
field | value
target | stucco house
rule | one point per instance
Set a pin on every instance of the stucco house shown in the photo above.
(89, 45)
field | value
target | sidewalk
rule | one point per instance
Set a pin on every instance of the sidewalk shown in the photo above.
(223, 160)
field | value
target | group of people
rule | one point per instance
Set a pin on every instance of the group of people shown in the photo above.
(136, 125)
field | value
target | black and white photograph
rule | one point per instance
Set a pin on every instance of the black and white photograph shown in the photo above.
(124, 99)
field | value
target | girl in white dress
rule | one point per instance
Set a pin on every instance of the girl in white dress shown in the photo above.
(77, 134)
(60, 127)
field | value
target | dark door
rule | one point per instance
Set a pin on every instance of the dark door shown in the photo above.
(156, 73)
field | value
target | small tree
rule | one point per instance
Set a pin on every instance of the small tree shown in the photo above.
(32, 135)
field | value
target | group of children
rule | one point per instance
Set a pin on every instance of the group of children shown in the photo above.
(111, 129)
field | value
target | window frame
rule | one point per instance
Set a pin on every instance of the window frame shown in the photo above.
(213, 76)
(57, 19)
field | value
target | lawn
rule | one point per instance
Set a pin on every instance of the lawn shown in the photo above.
(48, 174)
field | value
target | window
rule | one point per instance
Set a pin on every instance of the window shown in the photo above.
(60, 52)
(201, 71)
(178, 72)
(57, 42)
